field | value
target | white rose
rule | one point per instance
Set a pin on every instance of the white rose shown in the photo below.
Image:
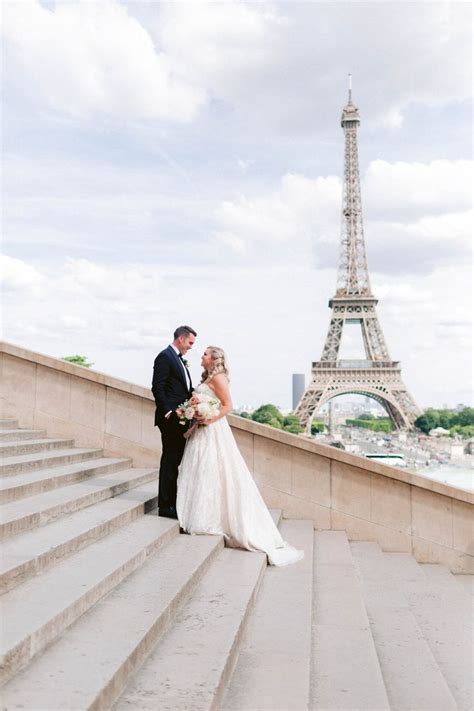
(189, 413)
(204, 409)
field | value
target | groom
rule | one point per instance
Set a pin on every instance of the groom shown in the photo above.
(171, 386)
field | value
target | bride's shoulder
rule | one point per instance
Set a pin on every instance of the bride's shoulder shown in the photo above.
(219, 379)
(219, 384)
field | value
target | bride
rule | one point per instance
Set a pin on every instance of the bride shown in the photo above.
(216, 491)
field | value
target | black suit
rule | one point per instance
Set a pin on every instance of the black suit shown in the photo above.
(170, 388)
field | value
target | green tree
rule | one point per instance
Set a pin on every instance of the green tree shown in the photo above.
(294, 429)
(266, 413)
(445, 418)
(465, 417)
(427, 421)
(464, 431)
(270, 415)
(245, 415)
(78, 360)
(449, 419)
(381, 424)
(291, 423)
(317, 427)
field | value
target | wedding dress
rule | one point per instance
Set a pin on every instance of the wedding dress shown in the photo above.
(217, 494)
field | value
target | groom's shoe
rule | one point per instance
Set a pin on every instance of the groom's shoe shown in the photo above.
(168, 513)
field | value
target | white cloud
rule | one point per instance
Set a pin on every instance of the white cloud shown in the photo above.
(169, 61)
(223, 46)
(16, 275)
(285, 218)
(426, 230)
(407, 189)
(248, 55)
(427, 324)
(393, 118)
(90, 58)
(230, 239)
(73, 323)
(420, 246)
(120, 304)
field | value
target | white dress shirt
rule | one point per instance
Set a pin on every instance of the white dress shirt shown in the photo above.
(188, 379)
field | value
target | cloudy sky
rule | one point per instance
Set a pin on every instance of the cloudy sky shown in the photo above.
(181, 162)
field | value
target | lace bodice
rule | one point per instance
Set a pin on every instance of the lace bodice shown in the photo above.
(203, 388)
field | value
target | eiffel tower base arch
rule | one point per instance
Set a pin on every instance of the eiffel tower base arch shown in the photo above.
(387, 388)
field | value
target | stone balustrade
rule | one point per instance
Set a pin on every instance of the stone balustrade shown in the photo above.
(400, 510)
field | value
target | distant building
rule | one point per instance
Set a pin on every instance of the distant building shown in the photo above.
(298, 388)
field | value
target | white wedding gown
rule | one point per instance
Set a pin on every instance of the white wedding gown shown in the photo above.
(217, 494)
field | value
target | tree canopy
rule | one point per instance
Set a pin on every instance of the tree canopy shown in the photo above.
(78, 360)
(270, 415)
(460, 423)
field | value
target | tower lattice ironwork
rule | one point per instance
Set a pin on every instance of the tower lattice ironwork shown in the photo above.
(377, 376)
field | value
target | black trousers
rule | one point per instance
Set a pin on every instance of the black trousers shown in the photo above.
(173, 443)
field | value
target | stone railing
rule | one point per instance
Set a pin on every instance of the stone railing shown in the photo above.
(337, 490)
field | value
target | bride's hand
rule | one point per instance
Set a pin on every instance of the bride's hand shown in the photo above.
(204, 421)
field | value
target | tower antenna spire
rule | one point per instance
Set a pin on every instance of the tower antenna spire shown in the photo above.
(350, 88)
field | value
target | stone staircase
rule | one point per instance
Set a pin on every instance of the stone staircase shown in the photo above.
(106, 606)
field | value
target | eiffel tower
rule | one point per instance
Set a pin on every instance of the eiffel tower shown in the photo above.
(377, 376)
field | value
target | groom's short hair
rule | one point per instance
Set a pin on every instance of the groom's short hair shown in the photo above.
(184, 331)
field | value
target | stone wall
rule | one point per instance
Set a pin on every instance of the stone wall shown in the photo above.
(337, 490)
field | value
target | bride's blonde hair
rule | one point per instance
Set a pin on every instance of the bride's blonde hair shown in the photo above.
(219, 364)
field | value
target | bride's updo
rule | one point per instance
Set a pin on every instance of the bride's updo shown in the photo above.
(219, 364)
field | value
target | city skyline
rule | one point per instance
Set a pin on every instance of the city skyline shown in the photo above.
(200, 183)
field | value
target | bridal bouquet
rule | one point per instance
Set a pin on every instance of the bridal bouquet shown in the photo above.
(199, 405)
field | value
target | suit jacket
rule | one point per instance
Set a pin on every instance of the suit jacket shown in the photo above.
(169, 387)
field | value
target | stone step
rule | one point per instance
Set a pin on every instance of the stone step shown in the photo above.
(33, 552)
(273, 665)
(440, 574)
(34, 511)
(144, 604)
(345, 668)
(8, 424)
(190, 667)
(443, 612)
(466, 582)
(37, 612)
(8, 435)
(413, 679)
(38, 482)
(40, 460)
(15, 448)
